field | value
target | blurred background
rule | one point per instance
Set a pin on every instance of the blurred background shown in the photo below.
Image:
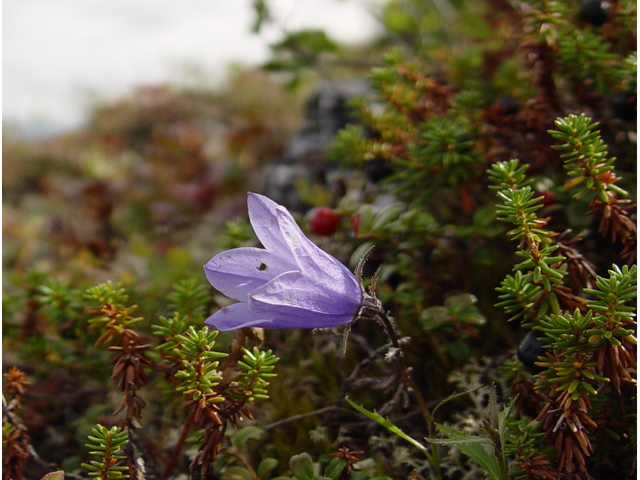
(153, 111)
(59, 58)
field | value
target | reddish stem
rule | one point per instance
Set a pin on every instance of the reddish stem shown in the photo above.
(178, 448)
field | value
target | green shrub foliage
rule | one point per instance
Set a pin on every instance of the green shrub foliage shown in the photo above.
(489, 181)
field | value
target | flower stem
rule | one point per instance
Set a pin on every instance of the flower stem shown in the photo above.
(433, 458)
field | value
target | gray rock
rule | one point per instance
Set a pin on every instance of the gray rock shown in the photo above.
(305, 156)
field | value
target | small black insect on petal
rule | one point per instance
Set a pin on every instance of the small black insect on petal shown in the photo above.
(262, 267)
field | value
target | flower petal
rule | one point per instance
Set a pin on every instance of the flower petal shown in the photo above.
(263, 218)
(293, 293)
(237, 272)
(307, 320)
(233, 317)
(291, 284)
(239, 315)
(325, 270)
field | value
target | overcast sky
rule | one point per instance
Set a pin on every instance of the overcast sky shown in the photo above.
(57, 54)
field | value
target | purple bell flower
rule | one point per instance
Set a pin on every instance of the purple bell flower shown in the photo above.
(290, 283)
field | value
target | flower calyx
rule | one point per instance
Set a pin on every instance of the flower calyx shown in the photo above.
(371, 306)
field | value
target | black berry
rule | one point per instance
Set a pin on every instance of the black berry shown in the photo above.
(625, 106)
(529, 350)
(591, 12)
(377, 169)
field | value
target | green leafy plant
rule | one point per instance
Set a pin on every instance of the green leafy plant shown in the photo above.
(106, 444)
(341, 465)
(586, 161)
(189, 298)
(212, 403)
(116, 321)
(587, 342)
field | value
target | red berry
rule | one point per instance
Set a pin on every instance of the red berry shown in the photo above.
(323, 221)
